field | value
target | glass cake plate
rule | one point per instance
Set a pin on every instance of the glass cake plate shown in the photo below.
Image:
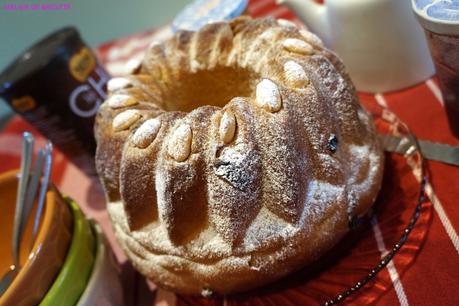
(360, 269)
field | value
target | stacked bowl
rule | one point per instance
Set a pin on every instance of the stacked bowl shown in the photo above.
(70, 262)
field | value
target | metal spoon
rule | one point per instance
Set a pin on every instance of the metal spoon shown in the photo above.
(27, 151)
(27, 190)
(26, 160)
(43, 190)
(32, 188)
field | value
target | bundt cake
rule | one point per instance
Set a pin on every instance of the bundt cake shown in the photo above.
(234, 155)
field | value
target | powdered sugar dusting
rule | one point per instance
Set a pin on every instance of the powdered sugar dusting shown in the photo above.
(266, 228)
(124, 120)
(332, 167)
(259, 43)
(146, 133)
(232, 166)
(321, 197)
(364, 161)
(332, 80)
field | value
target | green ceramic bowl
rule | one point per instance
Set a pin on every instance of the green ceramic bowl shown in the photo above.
(76, 270)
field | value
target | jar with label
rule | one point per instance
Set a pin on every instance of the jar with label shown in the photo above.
(58, 85)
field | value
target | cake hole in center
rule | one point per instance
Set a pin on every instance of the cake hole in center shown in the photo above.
(209, 87)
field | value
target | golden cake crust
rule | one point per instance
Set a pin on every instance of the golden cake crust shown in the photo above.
(234, 155)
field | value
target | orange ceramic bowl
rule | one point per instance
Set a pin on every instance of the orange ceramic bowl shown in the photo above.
(40, 267)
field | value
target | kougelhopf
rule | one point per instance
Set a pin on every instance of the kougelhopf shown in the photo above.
(234, 155)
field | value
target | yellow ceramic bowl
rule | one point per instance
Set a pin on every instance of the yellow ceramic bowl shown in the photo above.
(41, 266)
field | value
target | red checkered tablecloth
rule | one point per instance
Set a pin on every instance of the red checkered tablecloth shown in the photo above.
(432, 277)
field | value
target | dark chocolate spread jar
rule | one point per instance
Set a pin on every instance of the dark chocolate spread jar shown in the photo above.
(57, 85)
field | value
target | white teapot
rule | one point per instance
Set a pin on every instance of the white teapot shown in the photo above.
(379, 41)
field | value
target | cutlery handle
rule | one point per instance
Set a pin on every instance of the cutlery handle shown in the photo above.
(43, 190)
(26, 160)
